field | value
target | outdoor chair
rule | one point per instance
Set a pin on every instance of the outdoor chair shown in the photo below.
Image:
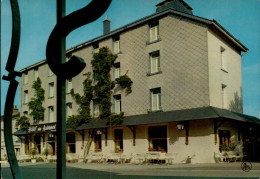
(233, 156)
(219, 157)
(126, 158)
(115, 157)
(72, 158)
(169, 157)
(96, 157)
(51, 158)
(139, 159)
(152, 156)
(24, 158)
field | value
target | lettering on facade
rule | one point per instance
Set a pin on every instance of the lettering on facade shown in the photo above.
(41, 128)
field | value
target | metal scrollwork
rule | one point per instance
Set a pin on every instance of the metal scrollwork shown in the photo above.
(11, 61)
(75, 65)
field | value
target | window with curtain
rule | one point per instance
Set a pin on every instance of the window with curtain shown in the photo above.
(116, 45)
(154, 31)
(154, 62)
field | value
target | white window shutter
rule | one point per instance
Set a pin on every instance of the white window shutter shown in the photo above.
(116, 46)
(117, 73)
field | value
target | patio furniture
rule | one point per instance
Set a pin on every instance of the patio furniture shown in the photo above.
(24, 158)
(152, 156)
(126, 158)
(139, 159)
(114, 157)
(232, 156)
(169, 157)
(96, 157)
(51, 158)
(219, 157)
(72, 158)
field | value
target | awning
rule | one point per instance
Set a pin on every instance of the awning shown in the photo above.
(169, 116)
(175, 116)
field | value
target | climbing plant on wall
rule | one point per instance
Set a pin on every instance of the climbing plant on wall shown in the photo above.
(84, 104)
(102, 63)
(23, 122)
(35, 104)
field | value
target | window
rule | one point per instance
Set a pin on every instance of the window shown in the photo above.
(154, 31)
(68, 110)
(50, 114)
(157, 138)
(25, 113)
(95, 109)
(95, 47)
(155, 99)
(37, 143)
(224, 137)
(116, 71)
(51, 90)
(223, 58)
(98, 141)
(25, 97)
(50, 73)
(70, 143)
(25, 78)
(35, 74)
(154, 62)
(116, 104)
(118, 140)
(224, 96)
(94, 78)
(116, 45)
(68, 85)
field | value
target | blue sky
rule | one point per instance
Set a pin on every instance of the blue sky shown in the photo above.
(241, 18)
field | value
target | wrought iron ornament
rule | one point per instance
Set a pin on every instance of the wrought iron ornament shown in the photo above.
(55, 53)
(11, 61)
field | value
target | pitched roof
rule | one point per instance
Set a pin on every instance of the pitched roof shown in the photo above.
(213, 23)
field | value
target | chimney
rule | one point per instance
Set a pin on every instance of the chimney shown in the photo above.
(177, 5)
(15, 110)
(106, 26)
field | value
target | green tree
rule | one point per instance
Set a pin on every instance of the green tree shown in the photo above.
(23, 122)
(236, 104)
(35, 105)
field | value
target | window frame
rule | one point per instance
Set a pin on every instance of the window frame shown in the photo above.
(120, 140)
(95, 47)
(98, 141)
(68, 85)
(154, 25)
(115, 67)
(25, 97)
(223, 60)
(116, 99)
(164, 139)
(51, 87)
(158, 93)
(51, 114)
(155, 55)
(116, 40)
(25, 78)
(69, 143)
(35, 73)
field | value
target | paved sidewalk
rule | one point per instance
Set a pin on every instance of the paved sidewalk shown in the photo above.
(81, 170)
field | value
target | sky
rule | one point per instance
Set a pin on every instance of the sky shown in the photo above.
(38, 17)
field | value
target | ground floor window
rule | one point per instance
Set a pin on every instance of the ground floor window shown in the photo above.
(37, 143)
(52, 143)
(70, 143)
(157, 138)
(118, 140)
(224, 139)
(26, 145)
(98, 141)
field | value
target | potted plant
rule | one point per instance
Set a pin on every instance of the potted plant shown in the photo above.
(46, 152)
(33, 152)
